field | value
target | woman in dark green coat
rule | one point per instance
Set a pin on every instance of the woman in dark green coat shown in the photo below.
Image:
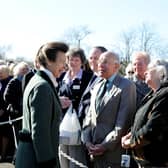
(39, 138)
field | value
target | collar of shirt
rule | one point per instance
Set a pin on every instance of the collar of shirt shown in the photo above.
(136, 79)
(110, 81)
(50, 75)
(67, 78)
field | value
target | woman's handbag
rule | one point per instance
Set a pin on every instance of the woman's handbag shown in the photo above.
(70, 129)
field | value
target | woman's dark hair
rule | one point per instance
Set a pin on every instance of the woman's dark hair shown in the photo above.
(49, 52)
(77, 52)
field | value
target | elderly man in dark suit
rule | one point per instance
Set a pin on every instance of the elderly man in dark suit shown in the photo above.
(110, 113)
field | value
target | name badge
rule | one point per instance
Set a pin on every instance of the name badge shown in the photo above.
(76, 87)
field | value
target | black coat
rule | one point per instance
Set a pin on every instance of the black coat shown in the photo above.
(74, 93)
(4, 129)
(13, 96)
(150, 129)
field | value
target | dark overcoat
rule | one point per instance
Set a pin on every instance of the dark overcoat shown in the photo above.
(150, 129)
(41, 118)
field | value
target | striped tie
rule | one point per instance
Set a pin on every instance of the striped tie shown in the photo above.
(101, 94)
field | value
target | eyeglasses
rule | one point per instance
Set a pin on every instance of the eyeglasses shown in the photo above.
(130, 72)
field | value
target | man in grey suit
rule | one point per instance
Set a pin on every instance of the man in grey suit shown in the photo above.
(109, 116)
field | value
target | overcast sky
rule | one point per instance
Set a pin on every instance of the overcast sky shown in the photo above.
(27, 24)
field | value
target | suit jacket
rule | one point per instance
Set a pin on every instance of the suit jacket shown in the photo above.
(142, 89)
(107, 125)
(85, 99)
(41, 118)
(150, 129)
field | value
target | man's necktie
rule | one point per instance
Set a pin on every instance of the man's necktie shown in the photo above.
(101, 94)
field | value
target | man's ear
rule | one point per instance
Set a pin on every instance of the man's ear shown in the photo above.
(117, 66)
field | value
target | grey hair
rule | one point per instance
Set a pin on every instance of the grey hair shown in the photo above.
(160, 70)
(115, 56)
(19, 67)
(141, 54)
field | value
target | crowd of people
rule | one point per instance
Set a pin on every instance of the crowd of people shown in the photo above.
(119, 114)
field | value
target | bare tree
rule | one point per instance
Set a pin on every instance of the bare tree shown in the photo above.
(127, 44)
(146, 38)
(142, 38)
(3, 50)
(150, 41)
(75, 35)
(162, 50)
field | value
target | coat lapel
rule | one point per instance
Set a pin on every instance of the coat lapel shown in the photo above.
(113, 91)
(45, 77)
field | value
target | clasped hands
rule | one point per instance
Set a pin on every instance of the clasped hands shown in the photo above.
(126, 141)
(95, 150)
